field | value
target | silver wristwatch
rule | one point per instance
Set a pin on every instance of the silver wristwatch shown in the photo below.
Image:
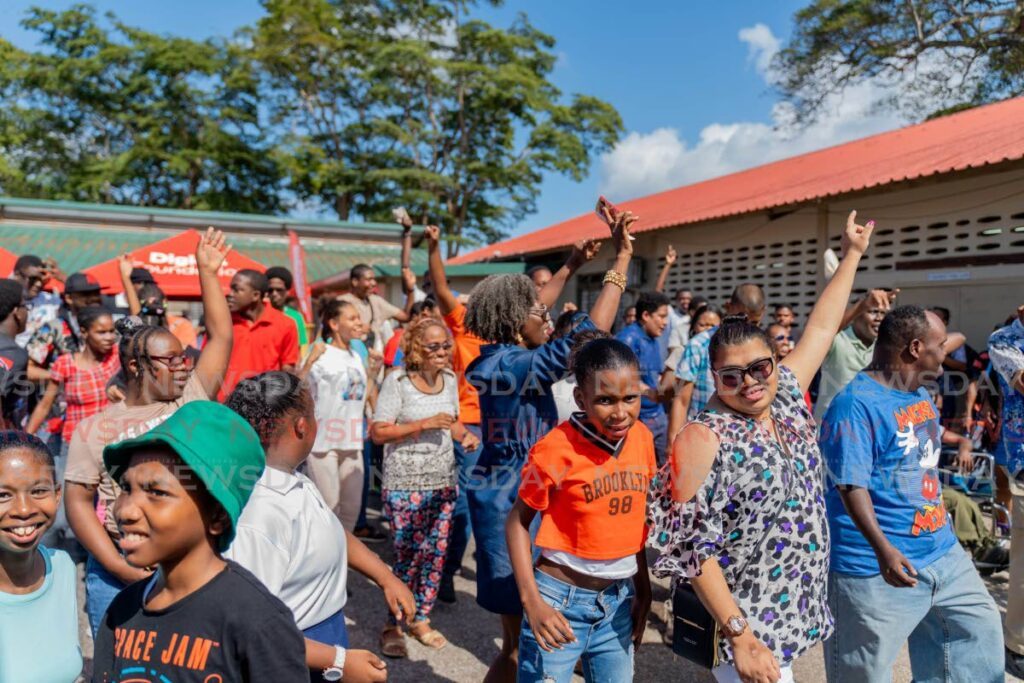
(336, 670)
(734, 626)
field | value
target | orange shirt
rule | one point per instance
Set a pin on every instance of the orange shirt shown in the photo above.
(467, 349)
(592, 492)
(182, 329)
(268, 343)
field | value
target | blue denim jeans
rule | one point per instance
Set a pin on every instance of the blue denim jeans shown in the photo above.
(101, 587)
(603, 624)
(951, 621)
(659, 430)
(462, 529)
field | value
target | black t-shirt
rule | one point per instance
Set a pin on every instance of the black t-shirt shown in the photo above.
(14, 386)
(230, 630)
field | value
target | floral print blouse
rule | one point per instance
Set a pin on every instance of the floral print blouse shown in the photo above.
(761, 513)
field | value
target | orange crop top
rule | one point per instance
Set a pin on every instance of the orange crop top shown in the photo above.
(592, 492)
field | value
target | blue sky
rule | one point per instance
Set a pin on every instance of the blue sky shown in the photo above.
(690, 80)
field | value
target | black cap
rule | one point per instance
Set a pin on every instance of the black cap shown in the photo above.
(140, 275)
(81, 283)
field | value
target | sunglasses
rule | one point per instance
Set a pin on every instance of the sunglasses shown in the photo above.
(541, 311)
(782, 337)
(732, 376)
(174, 362)
(434, 348)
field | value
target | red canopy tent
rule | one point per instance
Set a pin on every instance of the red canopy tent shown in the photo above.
(172, 262)
(7, 260)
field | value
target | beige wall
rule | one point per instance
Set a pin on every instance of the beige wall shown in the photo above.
(959, 218)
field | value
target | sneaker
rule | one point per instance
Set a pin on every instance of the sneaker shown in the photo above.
(369, 535)
(446, 591)
(1014, 664)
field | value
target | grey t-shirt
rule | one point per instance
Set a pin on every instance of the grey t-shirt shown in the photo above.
(427, 461)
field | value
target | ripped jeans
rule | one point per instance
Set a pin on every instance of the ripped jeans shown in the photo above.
(603, 624)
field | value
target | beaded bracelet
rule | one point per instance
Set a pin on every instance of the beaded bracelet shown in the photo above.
(615, 278)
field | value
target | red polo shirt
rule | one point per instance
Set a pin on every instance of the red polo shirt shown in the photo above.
(268, 343)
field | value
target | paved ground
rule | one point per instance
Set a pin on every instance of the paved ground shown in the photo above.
(473, 642)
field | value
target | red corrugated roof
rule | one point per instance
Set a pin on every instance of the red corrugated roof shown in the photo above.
(977, 137)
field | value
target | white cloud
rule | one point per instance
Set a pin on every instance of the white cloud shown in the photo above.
(644, 163)
(762, 45)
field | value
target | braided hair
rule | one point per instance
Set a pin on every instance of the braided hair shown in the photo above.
(265, 400)
(134, 344)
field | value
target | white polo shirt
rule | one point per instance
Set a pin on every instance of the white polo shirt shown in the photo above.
(295, 545)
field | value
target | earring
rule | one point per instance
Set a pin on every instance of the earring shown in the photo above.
(519, 338)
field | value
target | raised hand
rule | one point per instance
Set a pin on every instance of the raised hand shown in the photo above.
(432, 234)
(408, 280)
(670, 256)
(584, 251)
(856, 237)
(402, 217)
(620, 233)
(124, 265)
(211, 251)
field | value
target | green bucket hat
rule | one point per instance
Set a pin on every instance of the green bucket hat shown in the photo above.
(215, 442)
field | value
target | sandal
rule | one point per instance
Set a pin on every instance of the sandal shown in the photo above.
(431, 638)
(392, 643)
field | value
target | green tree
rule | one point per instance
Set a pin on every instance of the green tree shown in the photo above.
(120, 115)
(407, 102)
(939, 56)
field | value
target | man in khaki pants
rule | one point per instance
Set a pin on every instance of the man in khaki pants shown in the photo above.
(1006, 348)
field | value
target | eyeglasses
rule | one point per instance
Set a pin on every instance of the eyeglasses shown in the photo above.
(434, 348)
(175, 362)
(541, 311)
(732, 377)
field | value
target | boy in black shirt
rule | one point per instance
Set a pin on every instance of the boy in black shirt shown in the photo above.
(199, 618)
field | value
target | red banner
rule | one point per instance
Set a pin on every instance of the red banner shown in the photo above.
(297, 256)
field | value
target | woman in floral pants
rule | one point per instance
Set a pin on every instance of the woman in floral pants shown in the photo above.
(416, 419)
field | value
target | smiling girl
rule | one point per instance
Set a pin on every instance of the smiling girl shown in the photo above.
(742, 516)
(589, 594)
(38, 609)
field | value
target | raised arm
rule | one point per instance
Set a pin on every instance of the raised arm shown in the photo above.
(213, 361)
(582, 252)
(823, 323)
(124, 266)
(607, 305)
(442, 292)
(670, 259)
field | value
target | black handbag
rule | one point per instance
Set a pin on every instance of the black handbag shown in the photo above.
(695, 633)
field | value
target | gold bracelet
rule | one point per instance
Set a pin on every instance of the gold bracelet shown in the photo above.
(615, 278)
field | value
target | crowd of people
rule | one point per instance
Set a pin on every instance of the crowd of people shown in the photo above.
(798, 484)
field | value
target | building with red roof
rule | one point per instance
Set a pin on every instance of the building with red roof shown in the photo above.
(947, 196)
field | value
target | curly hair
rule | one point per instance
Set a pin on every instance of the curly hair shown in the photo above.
(412, 342)
(265, 400)
(499, 306)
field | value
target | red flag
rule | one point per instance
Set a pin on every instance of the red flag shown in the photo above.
(298, 259)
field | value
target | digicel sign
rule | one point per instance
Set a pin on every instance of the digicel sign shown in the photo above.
(172, 262)
(169, 263)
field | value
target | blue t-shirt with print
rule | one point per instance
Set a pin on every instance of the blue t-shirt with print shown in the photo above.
(886, 441)
(648, 352)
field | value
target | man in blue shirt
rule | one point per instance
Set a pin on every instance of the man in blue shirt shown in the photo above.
(897, 570)
(1006, 349)
(642, 336)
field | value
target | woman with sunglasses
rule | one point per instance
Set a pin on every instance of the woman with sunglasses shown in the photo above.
(514, 376)
(416, 419)
(742, 514)
(160, 378)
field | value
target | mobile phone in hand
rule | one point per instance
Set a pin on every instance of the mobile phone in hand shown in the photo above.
(602, 205)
